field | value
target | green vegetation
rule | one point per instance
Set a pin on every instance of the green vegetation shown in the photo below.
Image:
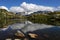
(7, 18)
(52, 18)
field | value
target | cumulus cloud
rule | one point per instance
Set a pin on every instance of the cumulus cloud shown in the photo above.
(30, 8)
(16, 9)
(3, 7)
(33, 7)
(58, 8)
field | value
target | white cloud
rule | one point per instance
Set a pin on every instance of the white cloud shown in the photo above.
(33, 7)
(30, 8)
(58, 8)
(3, 7)
(16, 9)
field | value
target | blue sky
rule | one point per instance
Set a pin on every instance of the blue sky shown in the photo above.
(9, 3)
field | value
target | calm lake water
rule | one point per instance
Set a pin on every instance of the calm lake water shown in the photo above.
(29, 26)
(25, 27)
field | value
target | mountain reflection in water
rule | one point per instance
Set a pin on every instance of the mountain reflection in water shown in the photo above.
(28, 26)
(39, 28)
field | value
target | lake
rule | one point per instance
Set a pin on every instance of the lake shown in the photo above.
(29, 26)
(26, 27)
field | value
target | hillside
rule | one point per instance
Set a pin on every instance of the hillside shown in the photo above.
(41, 17)
(7, 18)
(51, 18)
